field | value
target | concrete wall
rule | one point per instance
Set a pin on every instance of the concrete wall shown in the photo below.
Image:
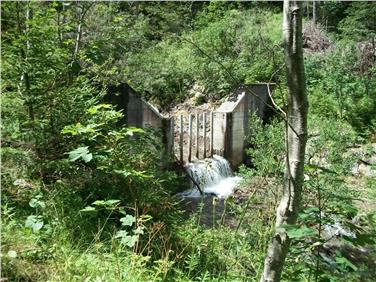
(150, 115)
(140, 113)
(133, 109)
(237, 133)
(219, 129)
(234, 111)
(258, 98)
(231, 120)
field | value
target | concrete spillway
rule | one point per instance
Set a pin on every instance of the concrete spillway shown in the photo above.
(213, 175)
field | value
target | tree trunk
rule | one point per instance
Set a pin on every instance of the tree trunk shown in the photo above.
(296, 137)
(59, 25)
(78, 37)
(84, 10)
(24, 54)
(314, 11)
(26, 75)
(307, 8)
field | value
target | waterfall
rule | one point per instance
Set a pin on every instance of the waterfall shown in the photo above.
(213, 175)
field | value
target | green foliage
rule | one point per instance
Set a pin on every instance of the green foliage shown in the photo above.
(238, 47)
(328, 144)
(328, 200)
(297, 232)
(80, 153)
(267, 149)
(338, 89)
(86, 199)
(34, 222)
(359, 23)
(329, 208)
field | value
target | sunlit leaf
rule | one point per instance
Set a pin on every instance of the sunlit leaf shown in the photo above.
(106, 203)
(139, 230)
(129, 241)
(121, 234)
(88, 209)
(294, 231)
(80, 153)
(122, 172)
(128, 220)
(34, 222)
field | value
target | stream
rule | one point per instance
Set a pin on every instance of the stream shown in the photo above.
(217, 181)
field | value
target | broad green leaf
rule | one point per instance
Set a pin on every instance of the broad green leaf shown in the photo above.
(69, 130)
(128, 220)
(106, 203)
(35, 203)
(34, 222)
(121, 234)
(139, 230)
(88, 209)
(92, 110)
(294, 231)
(98, 203)
(80, 153)
(130, 241)
(112, 202)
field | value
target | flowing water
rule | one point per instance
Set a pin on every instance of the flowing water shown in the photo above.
(216, 179)
(213, 175)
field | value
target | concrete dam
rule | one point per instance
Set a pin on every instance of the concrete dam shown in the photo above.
(209, 144)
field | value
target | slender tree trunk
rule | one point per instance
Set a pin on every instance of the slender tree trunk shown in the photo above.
(307, 8)
(314, 11)
(26, 75)
(81, 18)
(59, 25)
(296, 138)
(78, 38)
(24, 54)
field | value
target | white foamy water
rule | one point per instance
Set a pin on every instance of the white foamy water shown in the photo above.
(214, 176)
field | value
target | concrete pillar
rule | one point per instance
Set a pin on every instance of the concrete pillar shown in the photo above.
(197, 133)
(190, 138)
(211, 134)
(204, 133)
(181, 138)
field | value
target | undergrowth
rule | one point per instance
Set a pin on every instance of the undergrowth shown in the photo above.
(58, 233)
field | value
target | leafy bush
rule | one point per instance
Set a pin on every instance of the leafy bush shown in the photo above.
(267, 149)
(337, 89)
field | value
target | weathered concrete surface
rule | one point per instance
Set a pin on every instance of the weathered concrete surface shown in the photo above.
(140, 113)
(258, 97)
(150, 115)
(219, 130)
(231, 123)
(230, 120)
(237, 130)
